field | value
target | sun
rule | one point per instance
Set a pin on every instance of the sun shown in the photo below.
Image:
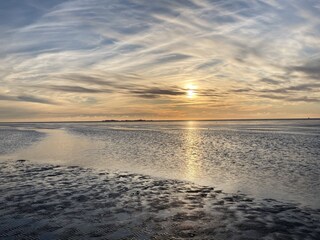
(191, 91)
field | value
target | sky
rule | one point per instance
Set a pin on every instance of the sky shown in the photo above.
(166, 59)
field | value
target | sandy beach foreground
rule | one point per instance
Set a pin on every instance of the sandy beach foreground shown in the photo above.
(60, 202)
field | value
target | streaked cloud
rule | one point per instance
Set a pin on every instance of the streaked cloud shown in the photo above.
(270, 81)
(310, 68)
(76, 89)
(25, 98)
(95, 59)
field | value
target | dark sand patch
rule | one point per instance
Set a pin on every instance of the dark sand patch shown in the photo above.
(56, 202)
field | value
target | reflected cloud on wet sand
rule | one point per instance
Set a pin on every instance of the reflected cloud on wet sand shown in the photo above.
(58, 147)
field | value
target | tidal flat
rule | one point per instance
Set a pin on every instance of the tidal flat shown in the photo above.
(160, 180)
(45, 201)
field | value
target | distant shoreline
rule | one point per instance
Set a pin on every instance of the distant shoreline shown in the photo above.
(136, 120)
(168, 120)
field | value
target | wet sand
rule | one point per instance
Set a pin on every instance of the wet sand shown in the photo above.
(70, 202)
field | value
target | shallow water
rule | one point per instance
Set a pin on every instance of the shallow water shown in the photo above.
(265, 159)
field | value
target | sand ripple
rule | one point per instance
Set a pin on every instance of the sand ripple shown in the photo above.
(57, 202)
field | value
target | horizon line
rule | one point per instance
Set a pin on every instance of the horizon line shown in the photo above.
(164, 120)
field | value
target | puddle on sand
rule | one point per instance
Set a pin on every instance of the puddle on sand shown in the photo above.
(58, 147)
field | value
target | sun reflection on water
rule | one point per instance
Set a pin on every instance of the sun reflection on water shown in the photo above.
(192, 152)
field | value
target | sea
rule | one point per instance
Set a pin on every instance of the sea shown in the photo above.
(264, 159)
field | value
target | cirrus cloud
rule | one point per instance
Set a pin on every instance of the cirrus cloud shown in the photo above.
(126, 57)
